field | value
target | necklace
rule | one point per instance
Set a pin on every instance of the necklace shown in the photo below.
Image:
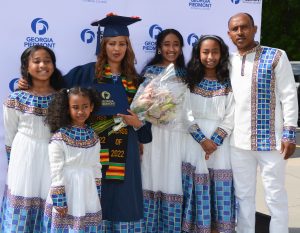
(40, 93)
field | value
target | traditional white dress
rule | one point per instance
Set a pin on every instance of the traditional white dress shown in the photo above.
(208, 185)
(76, 173)
(28, 179)
(161, 172)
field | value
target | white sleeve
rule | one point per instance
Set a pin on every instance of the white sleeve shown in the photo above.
(287, 90)
(227, 122)
(97, 166)
(189, 120)
(188, 117)
(57, 160)
(11, 122)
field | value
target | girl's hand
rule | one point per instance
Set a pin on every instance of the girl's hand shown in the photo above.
(23, 84)
(209, 147)
(131, 119)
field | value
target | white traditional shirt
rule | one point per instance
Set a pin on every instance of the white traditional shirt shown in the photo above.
(265, 94)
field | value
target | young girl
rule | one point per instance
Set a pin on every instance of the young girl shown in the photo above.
(26, 141)
(73, 204)
(161, 161)
(209, 198)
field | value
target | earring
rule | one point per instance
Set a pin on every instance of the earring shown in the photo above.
(158, 52)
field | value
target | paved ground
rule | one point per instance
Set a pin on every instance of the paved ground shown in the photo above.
(293, 189)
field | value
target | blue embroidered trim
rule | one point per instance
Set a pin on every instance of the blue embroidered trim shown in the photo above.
(289, 134)
(212, 85)
(180, 72)
(212, 88)
(58, 196)
(26, 102)
(196, 133)
(77, 137)
(263, 99)
(218, 136)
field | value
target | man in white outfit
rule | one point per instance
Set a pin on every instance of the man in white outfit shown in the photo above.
(265, 123)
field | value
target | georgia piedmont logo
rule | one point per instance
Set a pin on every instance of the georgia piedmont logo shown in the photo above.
(106, 101)
(13, 84)
(200, 4)
(40, 27)
(105, 95)
(235, 1)
(192, 39)
(154, 30)
(150, 45)
(87, 36)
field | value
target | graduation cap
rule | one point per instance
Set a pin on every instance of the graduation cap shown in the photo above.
(114, 25)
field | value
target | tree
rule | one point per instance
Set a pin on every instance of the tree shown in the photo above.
(281, 26)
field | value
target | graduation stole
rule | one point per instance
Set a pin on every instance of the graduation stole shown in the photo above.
(114, 144)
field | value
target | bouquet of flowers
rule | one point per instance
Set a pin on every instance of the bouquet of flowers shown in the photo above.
(159, 100)
(115, 124)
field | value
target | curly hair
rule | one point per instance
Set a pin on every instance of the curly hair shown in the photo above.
(127, 64)
(196, 70)
(57, 117)
(158, 58)
(56, 80)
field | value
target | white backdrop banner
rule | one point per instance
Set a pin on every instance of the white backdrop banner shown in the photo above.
(64, 26)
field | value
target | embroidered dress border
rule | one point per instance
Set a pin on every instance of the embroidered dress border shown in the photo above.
(173, 198)
(221, 174)
(188, 169)
(27, 203)
(225, 227)
(190, 227)
(76, 223)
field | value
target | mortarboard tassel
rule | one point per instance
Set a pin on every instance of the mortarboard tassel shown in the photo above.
(98, 40)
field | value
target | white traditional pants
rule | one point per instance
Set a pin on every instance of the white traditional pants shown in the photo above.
(272, 167)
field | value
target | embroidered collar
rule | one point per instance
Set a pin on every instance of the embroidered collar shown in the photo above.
(211, 85)
(83, 137)
(254, 49)
(155, 69)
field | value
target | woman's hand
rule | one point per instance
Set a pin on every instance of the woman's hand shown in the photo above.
(23, 84)
(131, 119)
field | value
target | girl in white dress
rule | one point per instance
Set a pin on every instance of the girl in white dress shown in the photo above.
(26, 141)
(161, 160)
(208, 185)
(73, 204)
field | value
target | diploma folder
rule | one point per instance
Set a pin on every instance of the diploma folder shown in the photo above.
(113, 99)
